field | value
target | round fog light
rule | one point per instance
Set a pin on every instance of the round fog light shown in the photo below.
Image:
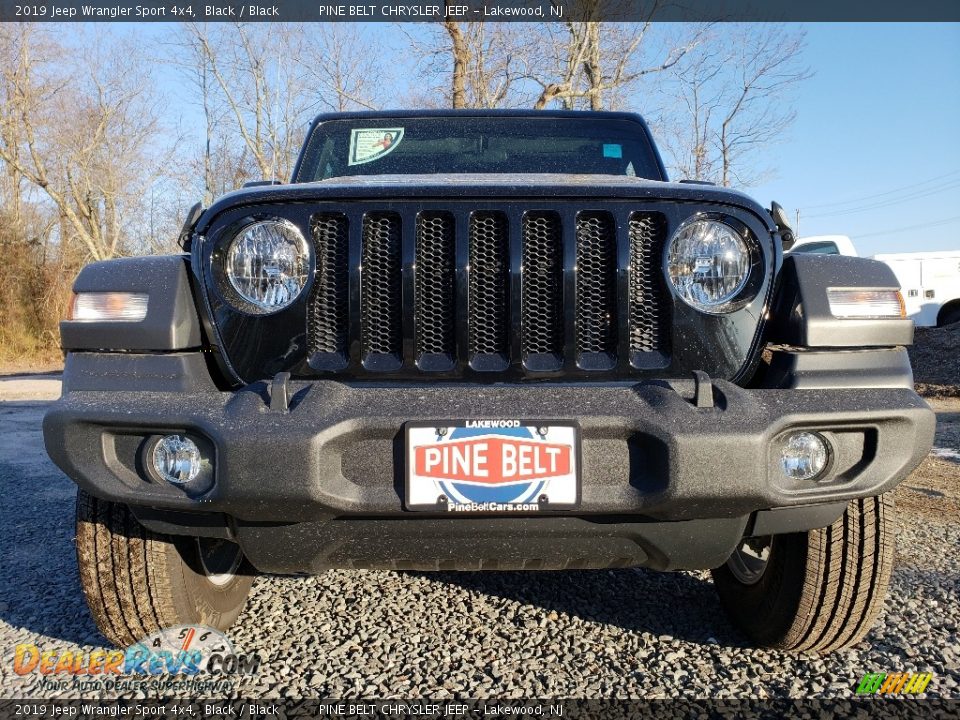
(804, 456)
(176, 458)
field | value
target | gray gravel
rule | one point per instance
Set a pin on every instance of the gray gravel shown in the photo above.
(626, 633)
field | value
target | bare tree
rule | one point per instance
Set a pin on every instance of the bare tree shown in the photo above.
(340, 71)
(766, 66)
(733, 100)
(12, 139)
(481, 65)
(688, 133)
(259, 81)
(223, 162)
(592, 64)
(582, 63)
(460, 59)
(259, 84)
(95, 166)
(185, 51)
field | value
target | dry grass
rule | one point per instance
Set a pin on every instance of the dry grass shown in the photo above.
(34, 291)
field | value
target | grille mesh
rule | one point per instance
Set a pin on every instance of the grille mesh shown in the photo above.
(542, 290)
(488, 291)
(434, 285)
(380, 286)
(596, 319)
(327, 314)
(647, 321)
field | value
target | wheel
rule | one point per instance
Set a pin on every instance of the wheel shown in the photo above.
(949, 317)
(815, 591)
(137, 581)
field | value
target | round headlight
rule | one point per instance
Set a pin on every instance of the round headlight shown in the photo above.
(267, 264)
(708, 262)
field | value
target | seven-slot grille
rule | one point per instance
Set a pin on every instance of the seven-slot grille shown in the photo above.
(543, 291)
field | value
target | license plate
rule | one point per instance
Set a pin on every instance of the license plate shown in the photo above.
(492, 466)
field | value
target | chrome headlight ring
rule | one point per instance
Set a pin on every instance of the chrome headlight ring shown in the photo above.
(266, 265)
(712, 264)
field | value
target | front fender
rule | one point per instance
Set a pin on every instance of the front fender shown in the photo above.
(171, 323)
(802, 314)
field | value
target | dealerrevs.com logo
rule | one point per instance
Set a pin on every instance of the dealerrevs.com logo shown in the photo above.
(187, 657)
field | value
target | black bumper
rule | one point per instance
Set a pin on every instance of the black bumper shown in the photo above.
(317, 480)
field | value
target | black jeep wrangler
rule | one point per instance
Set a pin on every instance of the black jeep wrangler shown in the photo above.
(488, 341)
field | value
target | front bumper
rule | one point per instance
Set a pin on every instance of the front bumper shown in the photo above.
(318, 480)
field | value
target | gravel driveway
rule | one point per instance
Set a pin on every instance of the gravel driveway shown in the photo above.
(573, 634)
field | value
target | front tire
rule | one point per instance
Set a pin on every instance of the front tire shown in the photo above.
(137, 581)
(816, 591)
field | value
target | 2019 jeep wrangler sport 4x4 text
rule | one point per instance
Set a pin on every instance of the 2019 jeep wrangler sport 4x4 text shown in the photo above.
(487, 340)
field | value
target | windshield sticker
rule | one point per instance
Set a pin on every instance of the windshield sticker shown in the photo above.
(367, 145)
(613, 150)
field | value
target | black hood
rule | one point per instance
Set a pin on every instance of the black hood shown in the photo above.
(514, 186)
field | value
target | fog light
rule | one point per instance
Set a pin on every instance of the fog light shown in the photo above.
(804, 455)
(177, 459)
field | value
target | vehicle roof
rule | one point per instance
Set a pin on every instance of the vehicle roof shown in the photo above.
(480, 112)
(926, 255)
(823, 238)
(844, 244)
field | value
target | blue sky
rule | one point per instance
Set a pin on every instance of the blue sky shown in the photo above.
(881, 113)
(875, 149)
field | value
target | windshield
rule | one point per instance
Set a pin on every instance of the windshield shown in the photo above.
(458, 145)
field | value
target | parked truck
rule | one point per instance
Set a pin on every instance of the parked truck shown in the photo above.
(929, 281)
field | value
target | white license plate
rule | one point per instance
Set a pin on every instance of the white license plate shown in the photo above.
(492, 466)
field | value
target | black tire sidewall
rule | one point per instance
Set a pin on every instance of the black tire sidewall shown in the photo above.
(766, 609)
(196, 597)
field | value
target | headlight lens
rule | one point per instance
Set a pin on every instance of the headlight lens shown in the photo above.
(267, 264)
(708, 262)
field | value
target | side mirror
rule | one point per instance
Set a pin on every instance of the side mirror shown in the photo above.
(193, 214)
(783, 226)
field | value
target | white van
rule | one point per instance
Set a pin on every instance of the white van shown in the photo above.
(930, 281)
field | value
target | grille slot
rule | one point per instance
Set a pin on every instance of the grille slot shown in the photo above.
(434, 291)
(488, 298)
(542, 291)
(648, 321)
(596, 302)
(328, 309)
(381, 292)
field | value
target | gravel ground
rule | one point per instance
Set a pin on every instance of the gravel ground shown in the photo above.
(625, 633)
(935, 361)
